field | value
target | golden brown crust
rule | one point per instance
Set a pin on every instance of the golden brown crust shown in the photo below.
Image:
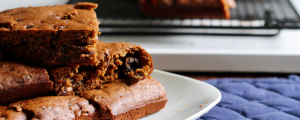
(142, 111)
(9, 114)
(19, 82)
(120, 100)
(86, 5)
(58, 35)
(52, 18)
(114, 60)
(56, 107)
(212, 9)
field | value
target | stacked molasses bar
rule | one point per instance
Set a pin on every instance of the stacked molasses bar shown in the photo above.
(54, 35)
(53, 67)
(114, 60)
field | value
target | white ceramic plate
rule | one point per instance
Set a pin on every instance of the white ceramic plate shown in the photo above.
(188, 98)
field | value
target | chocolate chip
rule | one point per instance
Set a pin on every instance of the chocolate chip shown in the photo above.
(62, 50)
(66, 17)
(19, 20)
(29, 26)
(13, 68)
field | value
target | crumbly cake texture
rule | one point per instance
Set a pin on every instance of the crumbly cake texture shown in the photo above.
(210, 9)
(56, 108)
(50, 35)
(19, 82)
(122, 101)
(10, 114)
(114, 60)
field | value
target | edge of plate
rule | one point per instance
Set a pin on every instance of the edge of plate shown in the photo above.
(200, 113)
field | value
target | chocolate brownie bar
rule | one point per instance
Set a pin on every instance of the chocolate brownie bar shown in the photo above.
(56, 108)
(50, 35)
(123, 101)
(9, 114)
(19, 82)
(114, 60)
(211, 9)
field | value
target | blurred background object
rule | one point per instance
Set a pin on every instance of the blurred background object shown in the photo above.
(201, 9)
(250, 17)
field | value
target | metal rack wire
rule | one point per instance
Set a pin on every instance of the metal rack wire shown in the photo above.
(251, 17)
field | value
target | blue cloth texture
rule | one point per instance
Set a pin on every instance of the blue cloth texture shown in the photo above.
(256, 99)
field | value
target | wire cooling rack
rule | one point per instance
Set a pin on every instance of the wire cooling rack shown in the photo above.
(251, 17)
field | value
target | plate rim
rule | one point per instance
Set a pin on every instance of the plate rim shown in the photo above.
(206, 109)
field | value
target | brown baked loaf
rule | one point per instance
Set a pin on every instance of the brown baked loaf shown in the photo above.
(19, 82)
(114, 60)
(51, 35)
(56, 108)
(123, 101)
(9, 114)
(211, 9)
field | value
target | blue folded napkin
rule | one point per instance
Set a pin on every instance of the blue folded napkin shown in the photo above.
(256, 99)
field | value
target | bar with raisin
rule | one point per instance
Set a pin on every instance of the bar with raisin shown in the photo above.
(114, 60)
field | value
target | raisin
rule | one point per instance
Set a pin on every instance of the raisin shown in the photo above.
(131, 64)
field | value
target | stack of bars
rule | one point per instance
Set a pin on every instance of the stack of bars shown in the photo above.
(53, 67)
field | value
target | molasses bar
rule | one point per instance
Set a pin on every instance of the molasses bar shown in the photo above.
(56, 108)
(210, 9)
(123, 101)
(51, 35)
(19, 82)
(114, 60)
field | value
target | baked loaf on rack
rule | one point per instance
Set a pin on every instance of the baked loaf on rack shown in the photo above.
(210, 9)
(123, 101)
(114, 60)
(51, 35)
(19, 82)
